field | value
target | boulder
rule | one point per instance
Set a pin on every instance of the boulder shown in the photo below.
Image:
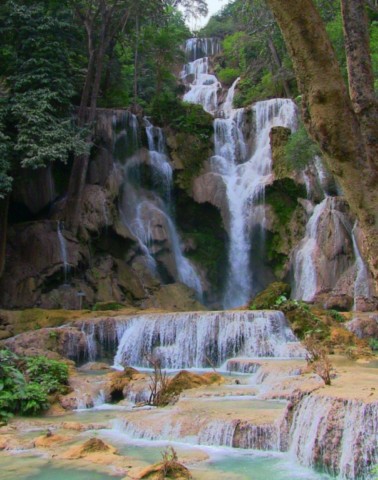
(268, 297)
(364, 326)
(175, 297)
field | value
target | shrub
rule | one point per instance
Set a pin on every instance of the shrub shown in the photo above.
(228, 75)
(25, 383)
(50, 374)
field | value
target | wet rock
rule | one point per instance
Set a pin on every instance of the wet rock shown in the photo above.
(94, 448)
(267, 298)
(364, 326)
(50, 440)
(175, 297)
(341, 302)
(185, 380)
(364, 304)
(171, 469)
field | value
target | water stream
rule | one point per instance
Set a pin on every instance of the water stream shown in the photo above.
(244, 174)
(145, 205)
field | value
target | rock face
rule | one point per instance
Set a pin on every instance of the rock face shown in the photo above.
(364, 325)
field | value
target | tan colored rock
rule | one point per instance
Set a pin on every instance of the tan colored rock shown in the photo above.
(49, 440)
(94, 450)
(161, 471)
(174, 297)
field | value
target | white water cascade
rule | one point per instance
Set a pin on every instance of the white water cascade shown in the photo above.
(63, 251)
(349, 449)
(146, 211)
(201, 339)
(245, 176)
(362, 281)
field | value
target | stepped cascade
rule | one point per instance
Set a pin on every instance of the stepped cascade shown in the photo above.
(197, 340)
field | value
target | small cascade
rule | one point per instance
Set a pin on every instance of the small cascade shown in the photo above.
(145, 207)
(305, 275)
(198, 339)
(349, 449)
(244, 176)
(217, 433)
(362, 280)
(63, 251)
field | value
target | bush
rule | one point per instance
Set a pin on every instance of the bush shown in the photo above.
(25, 383)
(300, 150)
(228, 75)
(373, 344)
(50, 374)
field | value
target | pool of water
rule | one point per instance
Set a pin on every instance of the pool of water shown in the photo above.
(25, 467)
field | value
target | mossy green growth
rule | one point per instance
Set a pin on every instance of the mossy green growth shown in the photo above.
(193, 151)
(103, 306)
(303, 321)
(169, 111)
(282, 195)
(202, 224)
(267, 299)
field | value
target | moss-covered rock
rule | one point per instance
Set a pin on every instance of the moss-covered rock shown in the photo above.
(185, 380)
(267, 299)
(279, 136)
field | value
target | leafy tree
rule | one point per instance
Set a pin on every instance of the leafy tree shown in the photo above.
(37, 89)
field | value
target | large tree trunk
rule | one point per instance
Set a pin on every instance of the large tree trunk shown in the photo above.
(328, 112)
(361, 77)
(80, 165)
(4, 205)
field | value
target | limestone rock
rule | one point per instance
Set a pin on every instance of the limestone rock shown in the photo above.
(364, 325)
(174, 297)
(49, 440)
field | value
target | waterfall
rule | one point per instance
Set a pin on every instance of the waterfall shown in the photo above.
(145, 209)
(339, 436)
(305, 276)
(245, 193)
(198, 339)
(244, 176)
(63, 250)
(361, 283)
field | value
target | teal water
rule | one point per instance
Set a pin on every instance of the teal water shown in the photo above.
(25, 467)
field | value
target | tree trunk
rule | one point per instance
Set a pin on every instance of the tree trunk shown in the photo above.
(277, 61)
(361, 77)
(136, 60)
(4, 205)
(328, 113)
(80, 165)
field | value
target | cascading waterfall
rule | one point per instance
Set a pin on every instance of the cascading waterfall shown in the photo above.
(145, 211)
(198, 339)
(349, 449)
(245, 176)
(362, 283)
(63, 251)
(305, 276)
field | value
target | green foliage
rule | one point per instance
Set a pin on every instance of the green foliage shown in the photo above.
(166, 109)
(336, 316)
(373, 344)
(228, 75)
(268, 298)
(39, 85)
(49, 374)
(300, 150)
(101, 306)
(25, 383)
(33, 399)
